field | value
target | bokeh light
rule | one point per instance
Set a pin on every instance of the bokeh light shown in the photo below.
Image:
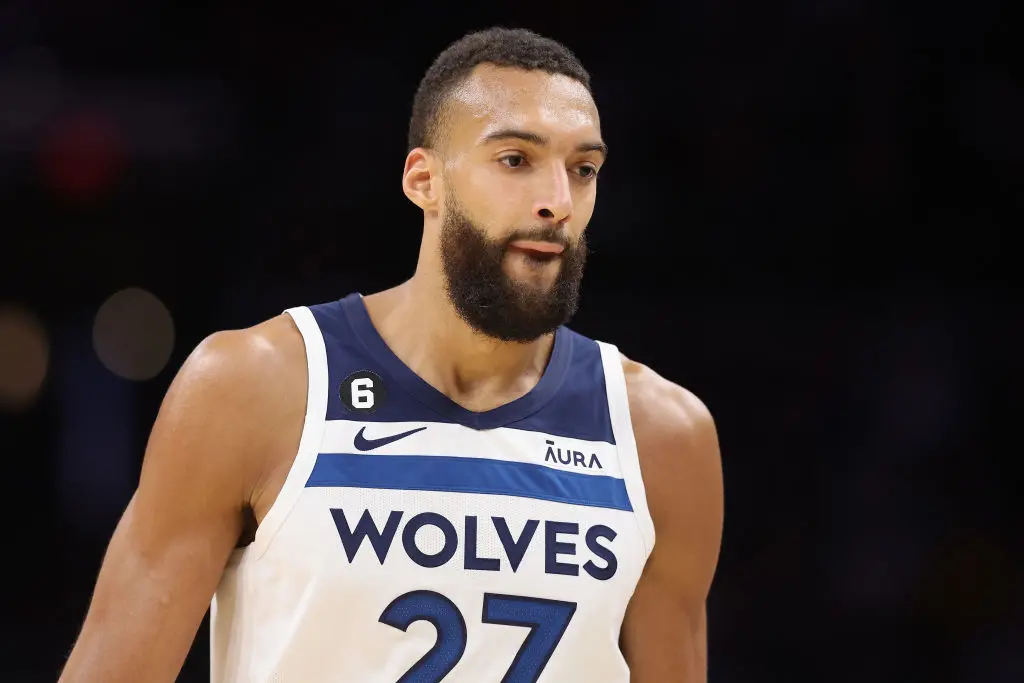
(133, 334)
(24, 358)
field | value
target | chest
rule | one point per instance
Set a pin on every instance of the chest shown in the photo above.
(441, 504)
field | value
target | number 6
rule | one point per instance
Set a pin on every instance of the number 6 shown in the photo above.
(362, 393)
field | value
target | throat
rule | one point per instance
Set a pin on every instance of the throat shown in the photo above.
(487, 395)
(486, 375)
(473, 371)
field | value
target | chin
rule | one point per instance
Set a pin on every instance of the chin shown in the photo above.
(531, 273)
(536, 285)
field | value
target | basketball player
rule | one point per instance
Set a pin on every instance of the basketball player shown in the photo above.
(437, 482)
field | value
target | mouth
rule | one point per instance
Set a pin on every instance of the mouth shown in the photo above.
(537, 249)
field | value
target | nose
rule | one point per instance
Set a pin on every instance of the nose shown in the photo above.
(556, 203)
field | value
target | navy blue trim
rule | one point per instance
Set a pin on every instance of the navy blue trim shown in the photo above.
(468, 475)
(545, 390)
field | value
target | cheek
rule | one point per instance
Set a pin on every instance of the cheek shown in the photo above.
(583, 205)
(493, 198)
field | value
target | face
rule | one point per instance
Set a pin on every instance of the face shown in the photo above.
(485, 289)
(519, 181)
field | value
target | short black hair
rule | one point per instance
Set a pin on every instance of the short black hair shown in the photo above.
(517, 48)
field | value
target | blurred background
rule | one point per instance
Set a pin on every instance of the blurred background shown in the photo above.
(805, 220)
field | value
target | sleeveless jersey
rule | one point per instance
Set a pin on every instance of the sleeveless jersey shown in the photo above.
(415, 541)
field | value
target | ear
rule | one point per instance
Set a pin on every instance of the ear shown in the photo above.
(420, 180)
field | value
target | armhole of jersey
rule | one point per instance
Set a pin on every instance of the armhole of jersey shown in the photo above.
(312, 431)
(625, 441)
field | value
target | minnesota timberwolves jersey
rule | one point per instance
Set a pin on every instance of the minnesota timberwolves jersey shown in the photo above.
(415, 541)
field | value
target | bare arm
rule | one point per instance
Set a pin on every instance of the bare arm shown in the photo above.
(664, 636)
(205, 461)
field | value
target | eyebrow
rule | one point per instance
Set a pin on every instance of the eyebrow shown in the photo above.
(540, 140)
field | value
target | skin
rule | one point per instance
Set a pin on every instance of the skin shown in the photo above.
(229, 426)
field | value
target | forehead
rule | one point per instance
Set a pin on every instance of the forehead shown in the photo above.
(494, 98)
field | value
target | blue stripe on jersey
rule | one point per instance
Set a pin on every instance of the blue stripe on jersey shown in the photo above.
(468, 475)
(569, 401)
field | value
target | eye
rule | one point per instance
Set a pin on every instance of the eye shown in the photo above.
(513, 160)
(587, 172)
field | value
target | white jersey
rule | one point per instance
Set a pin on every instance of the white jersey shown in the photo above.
(415, 541)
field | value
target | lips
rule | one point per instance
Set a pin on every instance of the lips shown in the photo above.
(538, 247)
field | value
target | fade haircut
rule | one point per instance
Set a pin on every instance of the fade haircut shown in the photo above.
(503, 47)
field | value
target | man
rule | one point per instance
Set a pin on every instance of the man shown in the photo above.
(439, 481)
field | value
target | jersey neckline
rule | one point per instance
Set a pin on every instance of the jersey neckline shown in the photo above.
(550, 382)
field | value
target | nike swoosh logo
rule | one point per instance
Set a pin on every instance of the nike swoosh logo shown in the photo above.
(364, 444)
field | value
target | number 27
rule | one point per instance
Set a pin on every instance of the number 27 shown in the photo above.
(546, 619)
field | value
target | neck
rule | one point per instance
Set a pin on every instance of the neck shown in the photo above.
(418, 322)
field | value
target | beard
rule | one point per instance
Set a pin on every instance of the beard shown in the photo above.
(490, 301)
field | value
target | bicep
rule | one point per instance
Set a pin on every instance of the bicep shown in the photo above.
(166, 556)
(150, 597)
(665, 630)
(664, 635)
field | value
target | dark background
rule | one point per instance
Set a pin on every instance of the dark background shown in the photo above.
(805, 219)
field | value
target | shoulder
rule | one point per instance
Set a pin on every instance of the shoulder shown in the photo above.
(241, 396)
(258, 372)
(262, 351)
(680, 459)
(668, 420)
